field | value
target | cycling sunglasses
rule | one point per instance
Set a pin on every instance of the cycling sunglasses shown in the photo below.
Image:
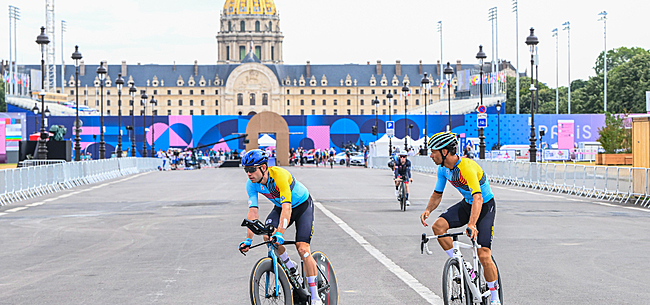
(251, 169)
(402, 156)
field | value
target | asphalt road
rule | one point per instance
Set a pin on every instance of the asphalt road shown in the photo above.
(171, 238)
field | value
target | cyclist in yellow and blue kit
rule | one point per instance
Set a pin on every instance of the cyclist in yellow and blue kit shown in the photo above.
(293, 204)
(477, 209)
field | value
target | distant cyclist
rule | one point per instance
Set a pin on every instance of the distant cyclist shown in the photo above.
(477, 210)
(293, 204)
(403, 172)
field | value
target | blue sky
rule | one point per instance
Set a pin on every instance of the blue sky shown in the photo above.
(335, 31)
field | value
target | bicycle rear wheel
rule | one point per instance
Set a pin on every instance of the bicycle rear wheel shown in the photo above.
(263, 286)
(402, 192)
(328, 288)
(451, 287)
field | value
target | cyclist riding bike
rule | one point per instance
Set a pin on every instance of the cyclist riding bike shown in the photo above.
(293, 204)
(477, 210)
(403, 172)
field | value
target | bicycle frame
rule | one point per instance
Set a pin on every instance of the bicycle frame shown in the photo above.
(473, 286)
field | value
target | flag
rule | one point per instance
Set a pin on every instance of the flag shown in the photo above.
(251, 45)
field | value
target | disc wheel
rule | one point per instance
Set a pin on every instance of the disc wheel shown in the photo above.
(328, 288)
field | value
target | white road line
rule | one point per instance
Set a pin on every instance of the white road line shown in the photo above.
(17, 209)
(620, 206)
(35, 204)
(406, 277)
(3, 214)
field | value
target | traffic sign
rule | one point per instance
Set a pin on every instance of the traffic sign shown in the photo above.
(482, 109)
(481, 120)
(390, 129)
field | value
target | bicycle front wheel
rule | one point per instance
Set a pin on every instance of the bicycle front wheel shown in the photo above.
(263, 287)
(402, 191)
(328, 287)
(452, 292)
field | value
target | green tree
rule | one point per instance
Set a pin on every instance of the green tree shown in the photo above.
(614, 136)
(3, 104)
(627, 85)
(617, 57)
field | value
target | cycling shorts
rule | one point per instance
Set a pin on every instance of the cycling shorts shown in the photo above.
(302, 215)
(458, 216)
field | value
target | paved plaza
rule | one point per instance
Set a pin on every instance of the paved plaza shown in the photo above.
(171, 238)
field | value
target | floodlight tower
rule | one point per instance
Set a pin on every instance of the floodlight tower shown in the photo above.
(50, 78)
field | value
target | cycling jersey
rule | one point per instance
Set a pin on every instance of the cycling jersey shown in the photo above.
(468, 177)
(403, 170)
(280, 188)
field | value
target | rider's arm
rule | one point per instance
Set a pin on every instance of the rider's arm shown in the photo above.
(253, 212)
(477, 204)
(252, 215)
(434, 201)
(408, 170)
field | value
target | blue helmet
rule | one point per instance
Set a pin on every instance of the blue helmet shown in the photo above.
(254, 157)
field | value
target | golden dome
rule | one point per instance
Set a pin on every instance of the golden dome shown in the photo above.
(249, 7)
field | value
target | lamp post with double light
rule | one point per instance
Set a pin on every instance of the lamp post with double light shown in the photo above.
(376, 103)
(153, 124)
(119, 82)
(498, 107)
(143, 101)
(389, 96)
(76, 56)
(532, 42)
(36, 111)
(132, 92)
(101, 73)
(426, 86)
(481, 132)
(449, 71)
(405, 91)
(42, 40)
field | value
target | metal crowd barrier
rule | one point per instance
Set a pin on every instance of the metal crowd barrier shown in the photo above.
(622, 184)
(22, 183)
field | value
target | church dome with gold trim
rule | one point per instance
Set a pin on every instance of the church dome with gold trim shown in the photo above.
(249, 7)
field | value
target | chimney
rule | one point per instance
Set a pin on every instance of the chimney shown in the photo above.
(438, 68)
(457, 66)
(398, 68)
(308, 67)
(378, 67)
(174, 67)
(124, 68)
(196, 68)
(82, 68)
(420, 67)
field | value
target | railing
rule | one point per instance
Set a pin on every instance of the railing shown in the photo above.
(28, 182)
(623, 184)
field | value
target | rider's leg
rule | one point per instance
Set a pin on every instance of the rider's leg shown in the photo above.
(310, 268)
(407, 190)
(485, 256)
(440, 227)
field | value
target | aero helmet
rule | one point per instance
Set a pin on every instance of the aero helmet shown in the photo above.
(442, 140)
(254, 157)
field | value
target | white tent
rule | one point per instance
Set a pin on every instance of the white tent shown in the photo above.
(382, 144)
(266, 141)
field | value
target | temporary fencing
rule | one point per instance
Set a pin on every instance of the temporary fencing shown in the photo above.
(612, 183)
(22, 183)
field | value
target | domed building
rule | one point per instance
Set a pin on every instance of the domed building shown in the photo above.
(249, 21)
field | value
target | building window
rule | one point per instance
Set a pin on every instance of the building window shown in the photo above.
(395, 102)
(130, 112)
(313, 91)
(108, 112)
(313, 111)
(108, 102)
(288, 91)
(302, 111)
(270, 26)
(302, 102)
(131, 103)
(71, 92)
(417, 91)
(169, 102)
(169, 112)
(361, 91)
(242, 26)
(216, 102)
(335, 112)
(288, 103)
(372, 91)
(169, 92)
(348, 91)
(348, 102)
(335, 103)
(258, 52)
(324, 91)
(108, 92)
(324, 102)
(191, 102)
(265, 99)
(191, 112)
(242, 52)
(313, 102)
(229, 26)
(155, 92)
(361, 102)
(252, 99)
(257, 26)
(361, 112)
(202, 92)
(348, 111)
(394, 111)
(324, 112)
(180, 112)
(216, 92)
(202, 103)
(417, 102)
(394, 91)
(191, 92)
(373, 111)
(383, 91)
(216, 112)
(180, 102)
(240, 99)
(288, 112)
(155, 112)
(202, 112)
(335, 91)
(272, 52)
(85, 92)
(384, 103)
(383, 112)
(302, 91)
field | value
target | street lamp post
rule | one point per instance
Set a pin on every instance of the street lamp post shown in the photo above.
(426, 85)
(42, 40)
(376, 103)
(35, 110)
(603, 18)
(101, 72)
(532, 42)
(76, 56)
(143, 100)
(557, 68)
(389, 96)
(481, 132)
(448, 73)
(498, 107)
(119, 82)
(567, 27)
(132, 91)
(405, 90)
(153, 129)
